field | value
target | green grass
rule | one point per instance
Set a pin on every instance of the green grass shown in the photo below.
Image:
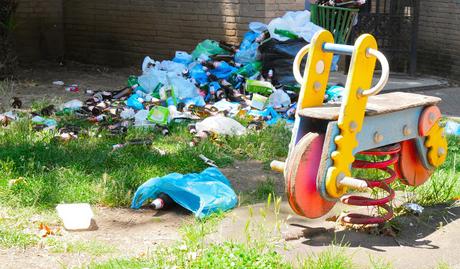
(93, 247)
(48, 172)
(444, 184)
(332, 258)
(16, 238)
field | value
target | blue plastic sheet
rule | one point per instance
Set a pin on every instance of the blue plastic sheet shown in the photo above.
(223, 70)
(133, 102)
(199, 74)
(202, 194)
(270, 115)
(248, 48)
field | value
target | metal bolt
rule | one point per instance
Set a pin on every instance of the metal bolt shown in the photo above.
(441, 151)
(378, 138)
(320, 67)
(353, 126)
(317, 85)
(406, 130)
(431, 117)
(359, 93)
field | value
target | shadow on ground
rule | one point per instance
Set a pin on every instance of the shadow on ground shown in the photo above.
(413, 231)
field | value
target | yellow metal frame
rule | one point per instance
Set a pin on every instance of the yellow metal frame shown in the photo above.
(351, 114)
(314, 84)
(353, 107)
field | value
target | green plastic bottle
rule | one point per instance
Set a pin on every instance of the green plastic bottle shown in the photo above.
(286, 33)
(250, 69)
(132, 80)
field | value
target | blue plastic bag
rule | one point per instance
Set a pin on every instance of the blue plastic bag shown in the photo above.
(198, 74)
(202, 194)
(248, 48)
(247, 55)
(269, 114)
(133, 102)
(223, 70)
(183, 57)
(248, 39)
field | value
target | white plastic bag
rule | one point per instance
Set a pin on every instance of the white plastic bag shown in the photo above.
(221, 125)
(148, 65)
(72, 104)
(278, 99)
(257, 27)
(127, 114)
(297, 22)
(140, 119)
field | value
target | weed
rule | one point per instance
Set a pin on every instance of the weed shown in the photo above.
(444, 184)
(379, 263)
(16, 238)
(93, 248)
(443, 265)
(332, 258)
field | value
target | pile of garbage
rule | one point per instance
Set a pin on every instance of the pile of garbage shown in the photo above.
(212, 85)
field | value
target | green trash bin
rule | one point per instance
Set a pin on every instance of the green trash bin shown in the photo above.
(337, 20)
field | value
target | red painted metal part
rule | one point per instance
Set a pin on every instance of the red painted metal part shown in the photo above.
(384, 184)
(409, 167)
(303, 164)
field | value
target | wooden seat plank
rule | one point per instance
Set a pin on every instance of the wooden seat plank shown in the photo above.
(376, 105)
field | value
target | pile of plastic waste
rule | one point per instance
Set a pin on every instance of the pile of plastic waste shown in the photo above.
(211, 86)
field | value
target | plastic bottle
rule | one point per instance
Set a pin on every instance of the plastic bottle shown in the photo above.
(250, 69)
(163, 201)
(286, 33)
(228, 47)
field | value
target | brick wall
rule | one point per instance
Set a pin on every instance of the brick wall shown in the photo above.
(39, 29)
(439, 38)
(122, 32)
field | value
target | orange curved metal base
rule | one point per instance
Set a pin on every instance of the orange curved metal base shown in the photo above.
(302, 192)
(410, 168)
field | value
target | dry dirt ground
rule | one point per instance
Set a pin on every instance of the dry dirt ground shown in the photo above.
(424, 241)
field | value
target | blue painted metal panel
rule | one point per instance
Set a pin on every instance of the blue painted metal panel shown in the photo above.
(390, 126)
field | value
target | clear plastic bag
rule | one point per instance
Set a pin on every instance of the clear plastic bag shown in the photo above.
(279, 99)
(297, 22)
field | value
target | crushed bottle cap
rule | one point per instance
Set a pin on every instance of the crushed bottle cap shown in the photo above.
(414, 208)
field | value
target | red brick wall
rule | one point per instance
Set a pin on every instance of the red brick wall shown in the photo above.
(439, 38)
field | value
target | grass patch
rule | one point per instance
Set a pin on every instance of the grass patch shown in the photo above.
(332, 258)
(444, 185)
(46, 172)
(16, 238)
(94, 248)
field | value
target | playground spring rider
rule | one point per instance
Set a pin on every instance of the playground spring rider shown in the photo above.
(404, 127)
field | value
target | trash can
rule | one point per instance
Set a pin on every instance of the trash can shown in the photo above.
(337, 20)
